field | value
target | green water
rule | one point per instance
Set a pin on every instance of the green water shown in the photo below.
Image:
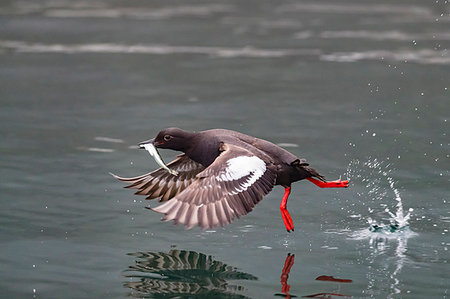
(342, 84)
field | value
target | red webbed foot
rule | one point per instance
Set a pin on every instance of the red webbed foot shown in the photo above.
(331, 184)
(287, 219)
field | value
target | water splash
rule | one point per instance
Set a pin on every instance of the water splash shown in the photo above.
(379, 188)
(388, 230)
(399, 219)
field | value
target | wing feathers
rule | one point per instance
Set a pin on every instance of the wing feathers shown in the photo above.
(182, 211)
(163, 185)
(165, 207)
(173, 211)
(227, 189)
(192, 217)
(229, 211)
(202, 217)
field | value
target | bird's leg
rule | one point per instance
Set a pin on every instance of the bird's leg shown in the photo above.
(288, 263)
(284, 212)
(331, 184)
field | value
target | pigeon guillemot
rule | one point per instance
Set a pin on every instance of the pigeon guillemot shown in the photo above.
(222, 175)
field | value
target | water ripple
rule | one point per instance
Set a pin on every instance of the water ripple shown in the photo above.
(108, 139)
(424, 56)
(105, 48)
(100, 10)
(386, 35)
(155, 13)
(354, 8)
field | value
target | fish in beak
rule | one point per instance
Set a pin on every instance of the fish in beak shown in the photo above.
(149, 146)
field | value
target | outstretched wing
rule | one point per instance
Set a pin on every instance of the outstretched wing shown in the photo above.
(160, 183)
(227, 189)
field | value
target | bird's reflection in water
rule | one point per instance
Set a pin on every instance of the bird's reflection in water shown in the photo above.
(285, 287)
(181, 274)
(329, 295)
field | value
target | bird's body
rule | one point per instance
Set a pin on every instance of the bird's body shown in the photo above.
(222, 175)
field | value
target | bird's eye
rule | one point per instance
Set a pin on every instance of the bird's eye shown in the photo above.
(167, 137)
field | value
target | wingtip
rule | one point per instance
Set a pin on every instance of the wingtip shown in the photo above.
(164, 218)
(188, 226)
(154, 210)
(117, 177)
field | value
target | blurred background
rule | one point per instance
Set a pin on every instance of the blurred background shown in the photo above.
(360, 89)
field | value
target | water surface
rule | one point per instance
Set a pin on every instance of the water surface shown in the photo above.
(359, 89)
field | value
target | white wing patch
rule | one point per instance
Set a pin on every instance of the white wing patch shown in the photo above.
(240, 167)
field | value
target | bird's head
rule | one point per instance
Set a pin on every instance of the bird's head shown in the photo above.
(170, 138)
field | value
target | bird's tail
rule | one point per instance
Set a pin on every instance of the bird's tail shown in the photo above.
(308, 171)
(314, 173)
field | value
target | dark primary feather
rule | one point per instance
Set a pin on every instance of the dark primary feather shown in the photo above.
(163, 185)
(211, 201)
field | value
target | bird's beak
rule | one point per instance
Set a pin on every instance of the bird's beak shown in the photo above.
(141, 144)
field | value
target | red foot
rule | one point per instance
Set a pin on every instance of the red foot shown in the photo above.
(331, 184)
(288, 263)
(326, 295)
(287, 220)
(331, 278)
(284, 212)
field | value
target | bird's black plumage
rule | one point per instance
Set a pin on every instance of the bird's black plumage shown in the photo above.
(222, 175)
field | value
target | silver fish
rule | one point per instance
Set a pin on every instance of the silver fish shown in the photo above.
(155, 154)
